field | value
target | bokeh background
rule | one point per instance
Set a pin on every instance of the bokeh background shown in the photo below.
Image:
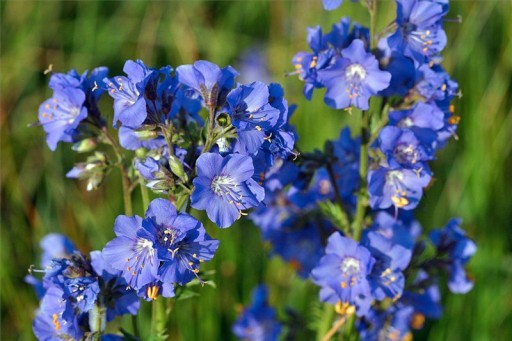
(473, 174)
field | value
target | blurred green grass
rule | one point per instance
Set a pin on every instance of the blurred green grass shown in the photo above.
(474, 174)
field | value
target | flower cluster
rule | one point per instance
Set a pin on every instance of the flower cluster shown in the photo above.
(78, 295)
(163, 249)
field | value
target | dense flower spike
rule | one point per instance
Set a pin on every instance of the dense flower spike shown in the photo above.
(224, 187)
(352, 79)
(258, 321)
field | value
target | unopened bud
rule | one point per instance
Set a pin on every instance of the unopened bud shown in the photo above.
(177, 168)
(85, 145)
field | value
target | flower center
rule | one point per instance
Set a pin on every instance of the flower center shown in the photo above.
(350, 266)
(405, 154)
(219, 184)
(144, 244)
(355, 72)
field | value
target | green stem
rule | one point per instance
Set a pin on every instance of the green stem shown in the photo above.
(144, 193)
(326, 321)
(124, 171)
(158, 319)
(383, 122)
(363, 172)
(373, 22)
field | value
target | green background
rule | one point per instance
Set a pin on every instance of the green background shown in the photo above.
(473, 174)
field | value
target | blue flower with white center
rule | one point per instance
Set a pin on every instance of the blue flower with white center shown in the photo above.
(401, 188)
(407, 148)
(128, 94)
(61, 115)
(133, 252)
(251, 115)
(258, 321)
(454, 250)
(343, 273)
(387, 278)
(354, 78)
(420, 34)
(180, 241)
(224, 187)
(209, 80)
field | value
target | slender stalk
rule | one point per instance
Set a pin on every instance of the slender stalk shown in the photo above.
(158, 319)
(124, 171)
(327, 316)
(373, 22)
(382, 123)
(334, 328)
(144, 193)
(363, 172)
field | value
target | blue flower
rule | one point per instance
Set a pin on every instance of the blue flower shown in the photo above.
(258, 321)
(56, 319)
(352, 79)
(209, 80)
(180, 241)
(224, 187)
(128, 94)
(251, 114)
(343, 273)
(421, 115)
(387, 278)
(454, 250)
(420, 34)
(308, 64)
(132, 252)
(115, 296)
(129, 139)
(407, 148)
(61, 115)
(345, 164)
(402, 188)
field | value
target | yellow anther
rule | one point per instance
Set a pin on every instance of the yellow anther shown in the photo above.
(343, 284)
(399, 201)
(48, 70)
(258, 128)
(55, 320)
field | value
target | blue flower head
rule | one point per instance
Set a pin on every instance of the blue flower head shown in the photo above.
(209, 80)
(343, 273)
(128, 94)
(56, 319)
(401, 187)
(251, 114)
(387, 278)
(61, 115)
(407, 148)
(258, 321)
(165, 246)
(456, 250)
(224, 187)
(115, 295)
(180, 240)
(352, 79)
(331, 4)
(420, 34)
(132, 252)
